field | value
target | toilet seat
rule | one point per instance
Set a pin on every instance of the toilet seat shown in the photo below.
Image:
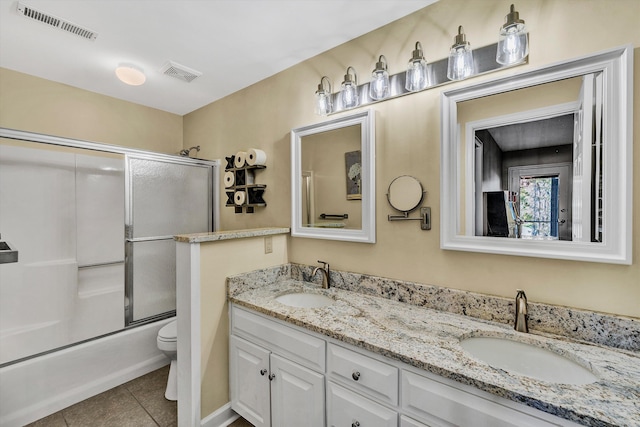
(168, 332)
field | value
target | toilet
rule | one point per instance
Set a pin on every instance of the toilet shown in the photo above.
(168, 344)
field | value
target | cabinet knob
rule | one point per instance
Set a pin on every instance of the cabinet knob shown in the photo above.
(355, 424)
(356, 377)
(263, 372)
(271, 377)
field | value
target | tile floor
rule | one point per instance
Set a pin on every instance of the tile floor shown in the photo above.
(138, 403)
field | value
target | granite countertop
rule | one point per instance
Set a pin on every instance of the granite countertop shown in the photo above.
(228, 235)
(429, 339)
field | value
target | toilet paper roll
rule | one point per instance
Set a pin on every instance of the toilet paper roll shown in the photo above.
(240, 197)
(241, 157)
(256, 157)
(229, 179)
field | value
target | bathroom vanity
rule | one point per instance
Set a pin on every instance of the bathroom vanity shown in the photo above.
(364, 360)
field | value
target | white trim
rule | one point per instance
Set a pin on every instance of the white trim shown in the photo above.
(222, 417)
(617, 67)
(367, 234)
(188, 310)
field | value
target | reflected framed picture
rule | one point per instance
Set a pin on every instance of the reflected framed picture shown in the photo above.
(353, 164)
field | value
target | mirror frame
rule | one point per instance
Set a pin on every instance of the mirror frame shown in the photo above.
(617, 67)
(367, 234)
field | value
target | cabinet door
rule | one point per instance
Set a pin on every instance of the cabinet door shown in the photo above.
(346, 408)
(297, 395)
(249, 381)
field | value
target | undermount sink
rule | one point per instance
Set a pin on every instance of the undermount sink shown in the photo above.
(528, 360)
(304, 300)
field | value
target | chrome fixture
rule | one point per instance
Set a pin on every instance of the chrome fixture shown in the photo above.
(460, 58)
(522, 317)
(326, 274)
(417, 72)
(513, 42)
(187, 151)
(7, 253)
(379, 86)
(349, 89)
(324, 103)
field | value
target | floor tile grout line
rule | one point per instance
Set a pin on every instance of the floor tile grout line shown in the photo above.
(142, 406)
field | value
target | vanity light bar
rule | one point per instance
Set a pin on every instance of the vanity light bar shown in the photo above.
(484, 60)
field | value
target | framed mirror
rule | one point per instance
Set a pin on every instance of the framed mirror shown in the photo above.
(540, 163)
(333, 179)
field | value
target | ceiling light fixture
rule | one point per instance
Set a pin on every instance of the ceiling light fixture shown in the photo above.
(460, 58)
(130, 74)
(513, 42)
(379, 86)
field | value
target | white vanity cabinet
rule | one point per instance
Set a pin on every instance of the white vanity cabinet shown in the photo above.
(363, 389)
(267, 387)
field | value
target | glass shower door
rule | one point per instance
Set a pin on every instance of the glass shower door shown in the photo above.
(165, 198)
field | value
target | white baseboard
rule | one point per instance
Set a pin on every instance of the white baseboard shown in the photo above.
(222, 417)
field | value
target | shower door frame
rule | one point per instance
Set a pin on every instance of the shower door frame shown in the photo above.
(129, 240)
(108, 148)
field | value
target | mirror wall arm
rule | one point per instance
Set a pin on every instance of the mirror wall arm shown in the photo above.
(425, 218)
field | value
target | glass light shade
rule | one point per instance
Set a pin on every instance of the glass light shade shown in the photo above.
(130, 74)
(379, 85)
(349, 90)
(324, 100)
(417, 77)
(460, 62)
(324, 106)
(513, 44)
(349, 95)
(513, 41)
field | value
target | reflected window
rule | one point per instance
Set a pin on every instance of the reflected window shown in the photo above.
(538, 207)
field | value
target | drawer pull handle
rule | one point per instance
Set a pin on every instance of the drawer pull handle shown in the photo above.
(356, 377)
(355, 424)
(263, 372)
(271, 377)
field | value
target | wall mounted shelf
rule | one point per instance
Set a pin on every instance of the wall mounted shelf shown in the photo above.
(244, 181)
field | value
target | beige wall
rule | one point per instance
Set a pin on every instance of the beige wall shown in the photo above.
(408, 142)
(218, 261)
(33, 104)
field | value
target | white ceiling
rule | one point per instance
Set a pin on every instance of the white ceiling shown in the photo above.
(234, 43)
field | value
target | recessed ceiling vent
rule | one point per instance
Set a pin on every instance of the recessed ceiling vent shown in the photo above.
(181, 72)
(56, 22)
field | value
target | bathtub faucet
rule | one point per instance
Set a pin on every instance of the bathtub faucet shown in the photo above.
(326, 274)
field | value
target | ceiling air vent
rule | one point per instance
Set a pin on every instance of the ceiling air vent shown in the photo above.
(181, 72)
(56, 22)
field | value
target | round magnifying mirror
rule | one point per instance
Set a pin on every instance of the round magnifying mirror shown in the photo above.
(405, 193)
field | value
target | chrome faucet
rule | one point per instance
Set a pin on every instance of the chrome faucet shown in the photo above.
(326, 274)
(522, 317)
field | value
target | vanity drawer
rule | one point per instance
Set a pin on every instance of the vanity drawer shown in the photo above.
(346, 408)
(288, 342)
(438, 404)
(363, 374)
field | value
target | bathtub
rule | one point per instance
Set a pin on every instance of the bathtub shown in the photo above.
(40, 386)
